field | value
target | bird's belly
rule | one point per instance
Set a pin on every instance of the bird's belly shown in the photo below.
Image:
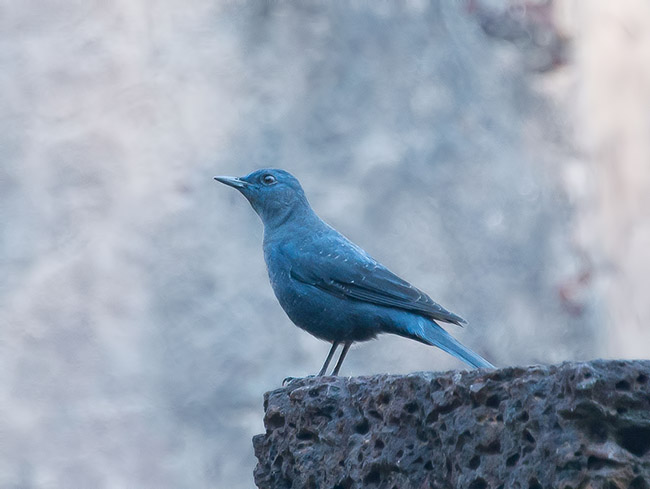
(326, 316)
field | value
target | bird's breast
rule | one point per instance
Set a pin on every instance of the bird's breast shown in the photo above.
(279, 268)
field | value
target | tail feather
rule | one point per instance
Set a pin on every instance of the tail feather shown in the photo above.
(431, 333)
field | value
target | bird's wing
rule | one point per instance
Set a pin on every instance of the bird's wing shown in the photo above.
(341, 268)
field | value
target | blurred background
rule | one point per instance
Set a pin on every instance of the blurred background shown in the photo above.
(495, 153)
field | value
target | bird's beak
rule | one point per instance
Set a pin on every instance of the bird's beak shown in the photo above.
(233, 181)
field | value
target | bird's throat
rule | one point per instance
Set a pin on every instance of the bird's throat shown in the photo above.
(298, 213)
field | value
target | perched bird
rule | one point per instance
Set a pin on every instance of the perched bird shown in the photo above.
(329, 286)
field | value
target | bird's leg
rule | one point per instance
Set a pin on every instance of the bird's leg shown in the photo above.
(335, 344)
(344, 352)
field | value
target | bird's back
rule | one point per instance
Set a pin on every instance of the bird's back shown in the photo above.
(317, 255)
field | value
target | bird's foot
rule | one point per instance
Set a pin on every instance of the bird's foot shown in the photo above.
(289, 380)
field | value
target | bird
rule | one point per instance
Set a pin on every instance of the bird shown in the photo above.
(329, 286)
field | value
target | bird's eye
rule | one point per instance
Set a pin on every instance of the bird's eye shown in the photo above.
(268, 179)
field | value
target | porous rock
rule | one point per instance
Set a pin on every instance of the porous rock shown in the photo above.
(575, 425)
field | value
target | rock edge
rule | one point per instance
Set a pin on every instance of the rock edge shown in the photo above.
(568, 426)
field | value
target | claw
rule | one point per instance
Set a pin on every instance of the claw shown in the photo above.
(289, 380)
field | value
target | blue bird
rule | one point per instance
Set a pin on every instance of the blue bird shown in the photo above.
(329, 286)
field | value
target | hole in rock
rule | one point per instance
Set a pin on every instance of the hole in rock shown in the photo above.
(638, 483)
(492, 448)
(597, 431)
(597, 463)
(528, 437)
(275, 421)
(373, 477)
(623, 385)
(344, 484)
(384, 398)
(479, 483)
(635, 439)
(611, 485)
(375, 414)
(512, 460)
(493, 401)
(411, 407)
(363, 427)
(306, 435)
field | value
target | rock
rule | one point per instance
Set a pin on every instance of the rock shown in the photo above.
(574, 425)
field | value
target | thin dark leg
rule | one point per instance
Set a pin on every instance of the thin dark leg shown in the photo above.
(328, 359)
(344, 352)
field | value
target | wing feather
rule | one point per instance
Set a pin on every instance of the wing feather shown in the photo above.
(351, 273)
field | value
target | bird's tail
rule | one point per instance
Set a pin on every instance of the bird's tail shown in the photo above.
(431, 333)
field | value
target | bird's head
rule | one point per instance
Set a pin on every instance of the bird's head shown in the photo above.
(273, 193)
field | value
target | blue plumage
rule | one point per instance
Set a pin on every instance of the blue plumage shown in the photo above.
(330, 287)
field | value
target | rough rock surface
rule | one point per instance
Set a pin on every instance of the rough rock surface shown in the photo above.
(575, 425)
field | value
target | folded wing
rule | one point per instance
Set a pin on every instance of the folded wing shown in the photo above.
(351, 273)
